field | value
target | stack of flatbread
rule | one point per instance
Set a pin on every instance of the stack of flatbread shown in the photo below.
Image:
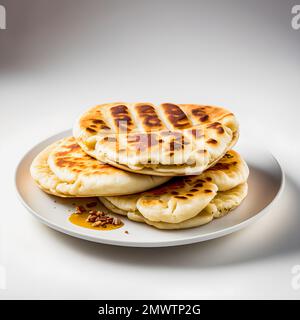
(170, 166)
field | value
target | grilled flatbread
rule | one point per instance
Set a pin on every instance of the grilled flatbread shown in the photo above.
(168, 139)
(183, 198)
(223, 203)
(64, 169)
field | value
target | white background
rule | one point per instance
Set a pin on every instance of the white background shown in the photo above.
(59, 57)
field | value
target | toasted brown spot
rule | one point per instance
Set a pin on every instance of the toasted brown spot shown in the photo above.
(220, 166)
(66, 162)
(98, 121)
(217, 126)
(207, 191)
(120, 109)
(208, 179)
(180, 197)
(174, 193)
(176, 116)
(121, 117)
(149, 117)
(214, 125)
(198, 185)
(110, 139)
(190, 194)
(70, 148)
(198, 112)
(212, 141)
(193, 190)
(228, 156)
(91, 130)
(204, 118)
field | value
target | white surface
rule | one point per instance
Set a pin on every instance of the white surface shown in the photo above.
(58, 58)
(265, 185)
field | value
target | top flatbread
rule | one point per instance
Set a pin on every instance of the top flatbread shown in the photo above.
(167, 139)
(65, 170)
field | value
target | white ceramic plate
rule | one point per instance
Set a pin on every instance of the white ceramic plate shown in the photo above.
(266, 180)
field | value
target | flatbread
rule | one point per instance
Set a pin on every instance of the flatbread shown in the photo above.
(167, 139)
(182, 198)
(223, 203)
(64, 169)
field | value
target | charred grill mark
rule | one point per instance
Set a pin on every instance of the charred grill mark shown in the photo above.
(217, 126)
(176, 116)
(220, 166)
(149, 117)
(120, 109)
(98, 121)
(228, 156)
(200, 114)
(122, 117)
(91, 130)
(94, 119)
(198, 185)
(211, 141)
(204, 118)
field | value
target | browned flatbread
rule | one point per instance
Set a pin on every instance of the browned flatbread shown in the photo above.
(64, 169)
(168, 139)
(183, 198)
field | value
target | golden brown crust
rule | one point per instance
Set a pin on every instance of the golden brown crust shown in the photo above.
(165, 139)
(72, 157)
(174, 116)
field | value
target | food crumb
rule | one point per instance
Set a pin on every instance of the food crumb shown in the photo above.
(80, 209)
(126, 232)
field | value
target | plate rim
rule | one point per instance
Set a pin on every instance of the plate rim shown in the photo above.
(157, 244)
